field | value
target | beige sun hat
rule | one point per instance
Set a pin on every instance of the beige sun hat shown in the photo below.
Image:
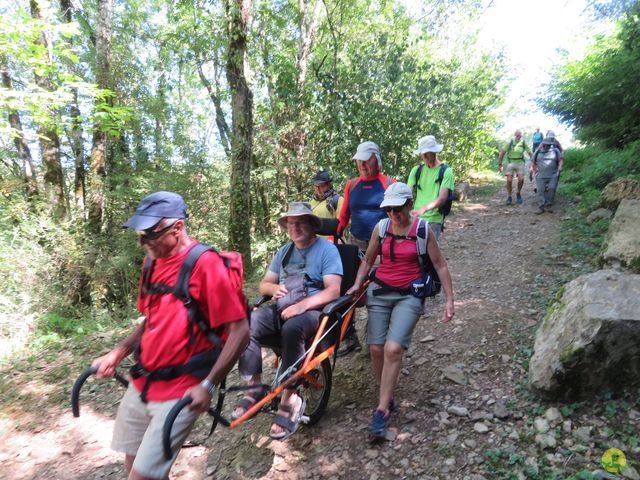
(428, 144)
(300, 209)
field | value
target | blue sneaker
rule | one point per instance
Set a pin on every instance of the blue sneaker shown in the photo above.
(509, 201)
(519, 199)
(379, 423)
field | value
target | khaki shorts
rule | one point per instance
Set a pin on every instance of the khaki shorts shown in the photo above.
(515, 169)
(138, 432)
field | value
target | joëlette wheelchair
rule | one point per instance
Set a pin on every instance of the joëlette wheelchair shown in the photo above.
(312, 372)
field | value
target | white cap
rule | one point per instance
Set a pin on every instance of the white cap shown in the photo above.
(396, 195)
(365, 150)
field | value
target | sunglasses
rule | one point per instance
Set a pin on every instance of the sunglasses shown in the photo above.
(394, 209)
(150, 234)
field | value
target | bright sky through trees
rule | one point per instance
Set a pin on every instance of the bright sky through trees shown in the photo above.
(532, 34)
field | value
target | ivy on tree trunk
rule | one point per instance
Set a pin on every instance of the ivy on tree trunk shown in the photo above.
(237, 14)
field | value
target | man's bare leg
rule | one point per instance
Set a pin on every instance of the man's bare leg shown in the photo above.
(520, 184)
(133, 475)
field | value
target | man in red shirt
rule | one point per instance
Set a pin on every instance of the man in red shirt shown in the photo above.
(167, 339)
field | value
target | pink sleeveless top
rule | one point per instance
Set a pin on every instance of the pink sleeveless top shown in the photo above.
(406, 267)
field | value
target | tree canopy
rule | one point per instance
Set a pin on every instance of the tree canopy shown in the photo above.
(108, 101)
(598, 94)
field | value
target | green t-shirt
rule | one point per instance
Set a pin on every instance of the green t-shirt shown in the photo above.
(429, 189)
(515, 150)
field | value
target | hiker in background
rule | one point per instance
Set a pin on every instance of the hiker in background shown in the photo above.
(394, 305)
(433, 182)
(546, 165)
(167, 343)
(536, 139)
(305, 275)
(514, 149)
(326, 202)
(361, 207)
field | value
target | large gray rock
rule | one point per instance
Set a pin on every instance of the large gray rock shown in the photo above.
(617, 191)
(622, 246)
(590, 340)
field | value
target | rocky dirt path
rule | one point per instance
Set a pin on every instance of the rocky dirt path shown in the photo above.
(461, 414)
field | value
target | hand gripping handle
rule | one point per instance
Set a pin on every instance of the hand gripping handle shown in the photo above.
(168, 425)
(75, 391)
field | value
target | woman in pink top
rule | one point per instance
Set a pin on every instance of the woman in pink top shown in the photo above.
(393, 310)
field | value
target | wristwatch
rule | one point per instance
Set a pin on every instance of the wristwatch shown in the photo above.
(208, 386)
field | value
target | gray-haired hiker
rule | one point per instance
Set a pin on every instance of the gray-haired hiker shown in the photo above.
(182, 348)
(546, 165)
(361, 209)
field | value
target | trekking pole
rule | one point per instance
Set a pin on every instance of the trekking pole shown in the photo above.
(75, 391)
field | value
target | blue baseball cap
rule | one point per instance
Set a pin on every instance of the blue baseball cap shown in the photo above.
(154, 208)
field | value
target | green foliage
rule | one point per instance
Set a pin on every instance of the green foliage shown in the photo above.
(598, 94)
(372, 73)
(587, 171)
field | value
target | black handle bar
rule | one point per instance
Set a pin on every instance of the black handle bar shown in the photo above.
(168, 425)
(177, 408)
(75, 391)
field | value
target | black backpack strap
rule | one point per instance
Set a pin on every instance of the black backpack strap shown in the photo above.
(418, 173)
(443, 167)
(287, 256)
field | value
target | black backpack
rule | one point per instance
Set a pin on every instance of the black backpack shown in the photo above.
(445, 208)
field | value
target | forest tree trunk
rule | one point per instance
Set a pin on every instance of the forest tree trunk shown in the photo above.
(49, 140)
(99, 146)
(76, 130)
(238, 13)
(28, 169)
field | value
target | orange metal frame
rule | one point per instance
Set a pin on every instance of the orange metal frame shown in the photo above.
(309, 364)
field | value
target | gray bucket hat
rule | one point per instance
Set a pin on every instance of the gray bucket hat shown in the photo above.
(548, 141)
(154, 208)
(300, 209)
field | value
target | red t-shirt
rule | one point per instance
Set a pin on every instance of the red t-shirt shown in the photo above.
(165, 340)
(406, 267)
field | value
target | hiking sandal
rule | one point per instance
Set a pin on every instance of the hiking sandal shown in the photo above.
(290, 425)
(245, 404)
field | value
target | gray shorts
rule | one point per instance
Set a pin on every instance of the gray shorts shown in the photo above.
(391, 317)
(138, 432)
